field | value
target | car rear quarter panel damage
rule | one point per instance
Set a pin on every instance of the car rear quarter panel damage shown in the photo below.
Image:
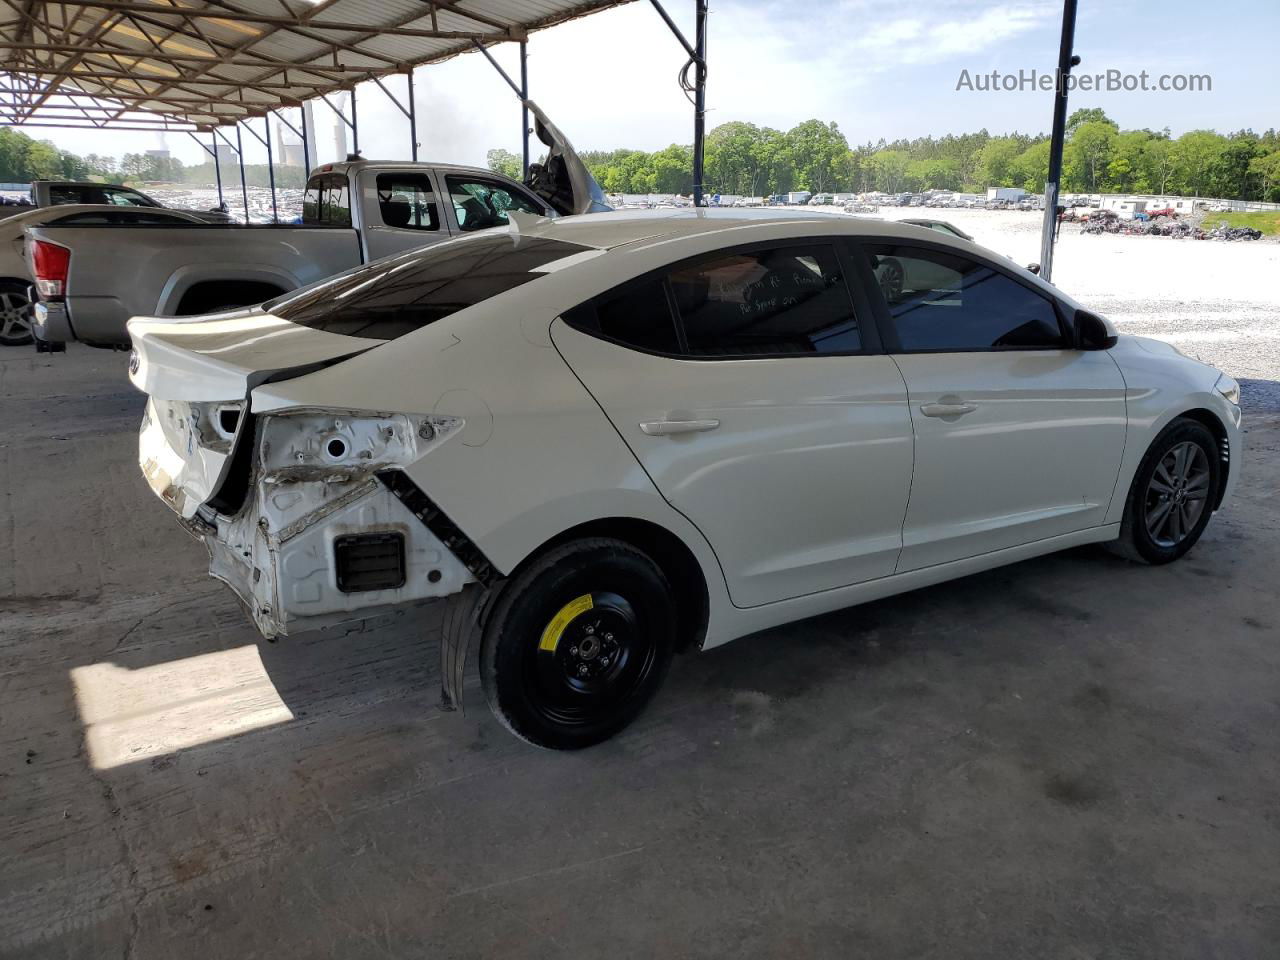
(534, 457)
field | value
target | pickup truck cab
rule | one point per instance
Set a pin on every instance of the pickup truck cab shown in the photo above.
(89, 280)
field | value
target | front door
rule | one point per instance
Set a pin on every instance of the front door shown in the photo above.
(744, 385)
(1018, 435)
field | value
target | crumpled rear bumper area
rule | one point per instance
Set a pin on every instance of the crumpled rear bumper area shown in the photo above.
(299, 560)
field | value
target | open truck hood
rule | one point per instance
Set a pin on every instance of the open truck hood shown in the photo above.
(199, 373)
(564, 180)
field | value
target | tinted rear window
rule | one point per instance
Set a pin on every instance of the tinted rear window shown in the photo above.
(397, 295)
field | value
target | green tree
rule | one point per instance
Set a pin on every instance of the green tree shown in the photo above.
(1125, 170)
(505, 162)
(817, 152)
(1030, 170)
(1195, 154)
(891, 169)
(994, 167)
(1087, 154)
(732, 159)
(1267, 168)
(1087, 115)
(1159, 161)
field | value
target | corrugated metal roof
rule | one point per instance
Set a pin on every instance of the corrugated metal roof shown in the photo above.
(187, 64)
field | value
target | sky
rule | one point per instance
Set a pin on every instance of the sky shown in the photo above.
(879, 70)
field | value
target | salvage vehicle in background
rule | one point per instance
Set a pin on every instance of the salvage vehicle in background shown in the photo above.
(92, 279)
(606, 439)
(53, 193)
(15, 279)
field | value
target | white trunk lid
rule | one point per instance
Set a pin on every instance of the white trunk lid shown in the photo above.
(199, 373)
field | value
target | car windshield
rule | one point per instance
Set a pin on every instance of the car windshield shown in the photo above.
(397, 295)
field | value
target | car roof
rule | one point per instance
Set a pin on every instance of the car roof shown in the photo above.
(621, 227)
(352, 167)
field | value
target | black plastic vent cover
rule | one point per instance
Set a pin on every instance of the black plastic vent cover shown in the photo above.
(369, 561)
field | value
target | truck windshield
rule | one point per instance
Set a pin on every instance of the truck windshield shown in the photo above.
(397, 295)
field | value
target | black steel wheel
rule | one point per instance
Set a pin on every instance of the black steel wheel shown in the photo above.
(1172, 496)
(578, 643)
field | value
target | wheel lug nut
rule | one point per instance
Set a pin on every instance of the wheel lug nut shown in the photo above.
(582, 670)
(573, 651)
(609, 637)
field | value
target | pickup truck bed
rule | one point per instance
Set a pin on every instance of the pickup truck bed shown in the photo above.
(117, 271)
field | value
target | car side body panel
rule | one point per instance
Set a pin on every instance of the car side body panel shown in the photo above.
(1161, 385)
(536, 456)
(802, 483)
(1035, 456)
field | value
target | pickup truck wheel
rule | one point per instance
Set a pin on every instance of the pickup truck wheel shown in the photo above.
(578, 644)
(15, 314)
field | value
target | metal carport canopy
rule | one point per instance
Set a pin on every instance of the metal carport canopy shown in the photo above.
(192, 65)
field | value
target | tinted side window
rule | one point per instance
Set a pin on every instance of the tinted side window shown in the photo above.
(406, 200)
(326, 201)
(127, 198)
(61, 195)
(484, 203)
(776, 301)
(636, 315)
(941, 301)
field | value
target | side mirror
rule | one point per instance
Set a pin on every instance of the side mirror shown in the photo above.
(1091, 332)
(1034, 268)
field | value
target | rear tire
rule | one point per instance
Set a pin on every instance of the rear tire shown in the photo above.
(1172, 496)
(578, 644)
(15, 314)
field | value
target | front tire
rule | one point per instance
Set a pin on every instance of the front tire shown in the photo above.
(578, 644)
(1172, 496)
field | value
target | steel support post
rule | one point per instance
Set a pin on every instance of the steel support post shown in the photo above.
(1066, 60)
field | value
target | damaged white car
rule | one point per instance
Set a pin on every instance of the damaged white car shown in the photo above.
(602, 440)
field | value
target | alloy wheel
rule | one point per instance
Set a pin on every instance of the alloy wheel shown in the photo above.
(1177, 494)
(15, 317)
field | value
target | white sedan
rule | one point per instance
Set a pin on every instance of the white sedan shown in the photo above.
(606, 439)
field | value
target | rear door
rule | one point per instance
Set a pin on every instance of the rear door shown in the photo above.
(756, 400)
(401, 211)
(1018, 435)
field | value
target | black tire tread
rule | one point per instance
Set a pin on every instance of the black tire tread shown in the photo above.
(512, 591)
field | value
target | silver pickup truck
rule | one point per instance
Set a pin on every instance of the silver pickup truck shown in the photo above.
(89, 280)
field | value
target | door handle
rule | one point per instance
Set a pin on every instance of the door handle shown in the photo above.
(947, 411)
(669, 428)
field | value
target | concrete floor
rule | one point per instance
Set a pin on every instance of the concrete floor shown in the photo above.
(1069, 758)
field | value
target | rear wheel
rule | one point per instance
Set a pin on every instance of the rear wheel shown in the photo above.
(15, 314)
(578, 644)
(1171, 499)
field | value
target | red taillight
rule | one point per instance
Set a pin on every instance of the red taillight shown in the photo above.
(51, 264)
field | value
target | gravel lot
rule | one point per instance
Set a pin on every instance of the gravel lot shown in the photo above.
(1216, 301)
